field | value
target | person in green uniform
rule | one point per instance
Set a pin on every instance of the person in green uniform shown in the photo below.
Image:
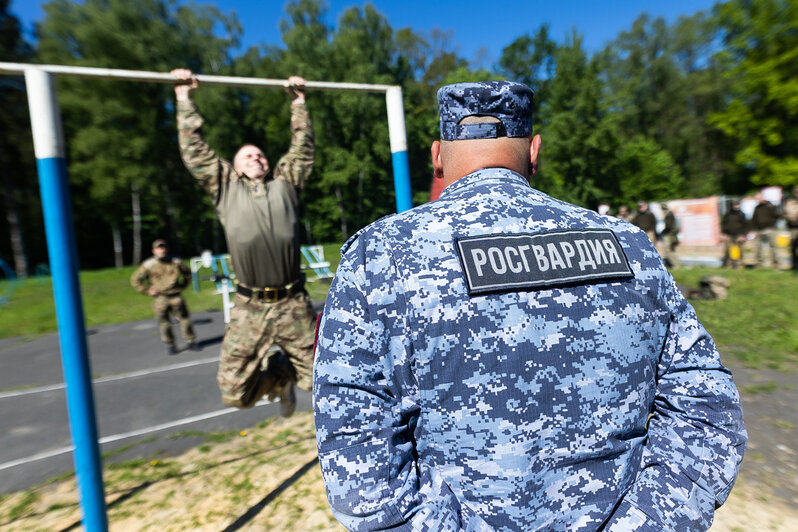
(645, 220)
(163, 277)
(733, 228)
(763, 222)
(259, 209)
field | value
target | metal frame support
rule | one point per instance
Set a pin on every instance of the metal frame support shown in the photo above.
(393, 100)
(48, 144)
(49, 148)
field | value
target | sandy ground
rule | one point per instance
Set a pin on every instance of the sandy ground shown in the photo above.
(263, 479)
(268, 478)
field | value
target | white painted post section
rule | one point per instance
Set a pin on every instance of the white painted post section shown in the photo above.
(398, 136)
(54, 186)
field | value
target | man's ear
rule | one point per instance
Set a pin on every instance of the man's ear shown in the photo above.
(437, 165)
(534, 152)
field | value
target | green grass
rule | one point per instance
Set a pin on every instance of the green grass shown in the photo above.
(108, 298)
(756, 324)
(755, 389)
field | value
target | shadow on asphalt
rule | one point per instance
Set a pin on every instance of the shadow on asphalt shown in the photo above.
(205, 342)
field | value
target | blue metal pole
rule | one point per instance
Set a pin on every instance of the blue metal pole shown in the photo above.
(398, 136)
(49, 147)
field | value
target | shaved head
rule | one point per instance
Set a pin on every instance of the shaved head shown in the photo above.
(250, 161)
(458, 158)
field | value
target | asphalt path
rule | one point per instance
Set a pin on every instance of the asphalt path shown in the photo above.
(147, 402)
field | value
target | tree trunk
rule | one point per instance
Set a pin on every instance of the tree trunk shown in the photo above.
(308, 234)
(15, 230)
(344, 229)
(136, 206)
(217, 246)
(176, 236)
(118, 262)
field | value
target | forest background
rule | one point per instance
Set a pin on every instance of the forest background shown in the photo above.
(705, 105)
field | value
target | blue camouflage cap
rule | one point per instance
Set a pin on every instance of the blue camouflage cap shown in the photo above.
(507, 101)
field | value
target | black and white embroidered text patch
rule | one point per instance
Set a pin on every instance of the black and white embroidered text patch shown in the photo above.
(501, 263)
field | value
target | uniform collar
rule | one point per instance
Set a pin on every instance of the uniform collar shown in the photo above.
(483, 176)
(256, 187)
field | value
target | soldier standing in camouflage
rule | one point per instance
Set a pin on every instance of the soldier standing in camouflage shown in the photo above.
(791, 215)
(669, 238)
(259, 210)
(645, 220)
(163, 278)
(763, 222)
(733, 228)
(502, 360)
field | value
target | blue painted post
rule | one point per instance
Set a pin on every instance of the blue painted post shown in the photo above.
(398, 136)
(48, 144)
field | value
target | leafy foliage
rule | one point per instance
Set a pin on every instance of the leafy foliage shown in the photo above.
(704, 105)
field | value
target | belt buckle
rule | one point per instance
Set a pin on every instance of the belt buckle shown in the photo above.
(270, 295)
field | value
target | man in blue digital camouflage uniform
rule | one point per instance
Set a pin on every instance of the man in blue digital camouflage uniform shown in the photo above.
(501, 360)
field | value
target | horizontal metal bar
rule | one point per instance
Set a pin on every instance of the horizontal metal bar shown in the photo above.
(165, 77)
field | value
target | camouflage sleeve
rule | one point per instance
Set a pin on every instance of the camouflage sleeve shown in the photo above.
(366, 406)
(140, 279)
(185, 274)
(696, 437)
(211, 171)
(295, 166)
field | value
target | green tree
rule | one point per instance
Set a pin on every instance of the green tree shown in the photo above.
(660, 89)
(578, 161)
(760, 56)
(121, 136)
(18, 178)
(531, 60)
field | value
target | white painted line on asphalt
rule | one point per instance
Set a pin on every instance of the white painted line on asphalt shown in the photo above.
(121, 376)
(131, 434)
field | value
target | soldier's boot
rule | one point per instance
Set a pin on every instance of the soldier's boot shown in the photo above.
(287, 399)
(171, 350)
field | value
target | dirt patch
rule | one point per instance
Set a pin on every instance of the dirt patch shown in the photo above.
(266, 478)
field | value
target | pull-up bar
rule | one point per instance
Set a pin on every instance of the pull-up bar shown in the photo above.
(161, 77)
(48, 142)
(393, 101)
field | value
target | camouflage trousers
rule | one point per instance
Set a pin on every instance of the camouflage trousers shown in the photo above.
(729, 261)
(164, 308)
(766, 237)
(794, 247)
(667, 249)
(256, 326)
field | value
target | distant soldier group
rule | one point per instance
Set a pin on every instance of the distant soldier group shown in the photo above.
(666, 240)
(735, 230)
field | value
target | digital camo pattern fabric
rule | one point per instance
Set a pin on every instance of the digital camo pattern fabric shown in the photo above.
(510, 102)
(590, 403)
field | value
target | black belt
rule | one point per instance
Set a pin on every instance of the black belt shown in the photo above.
(271, 294)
